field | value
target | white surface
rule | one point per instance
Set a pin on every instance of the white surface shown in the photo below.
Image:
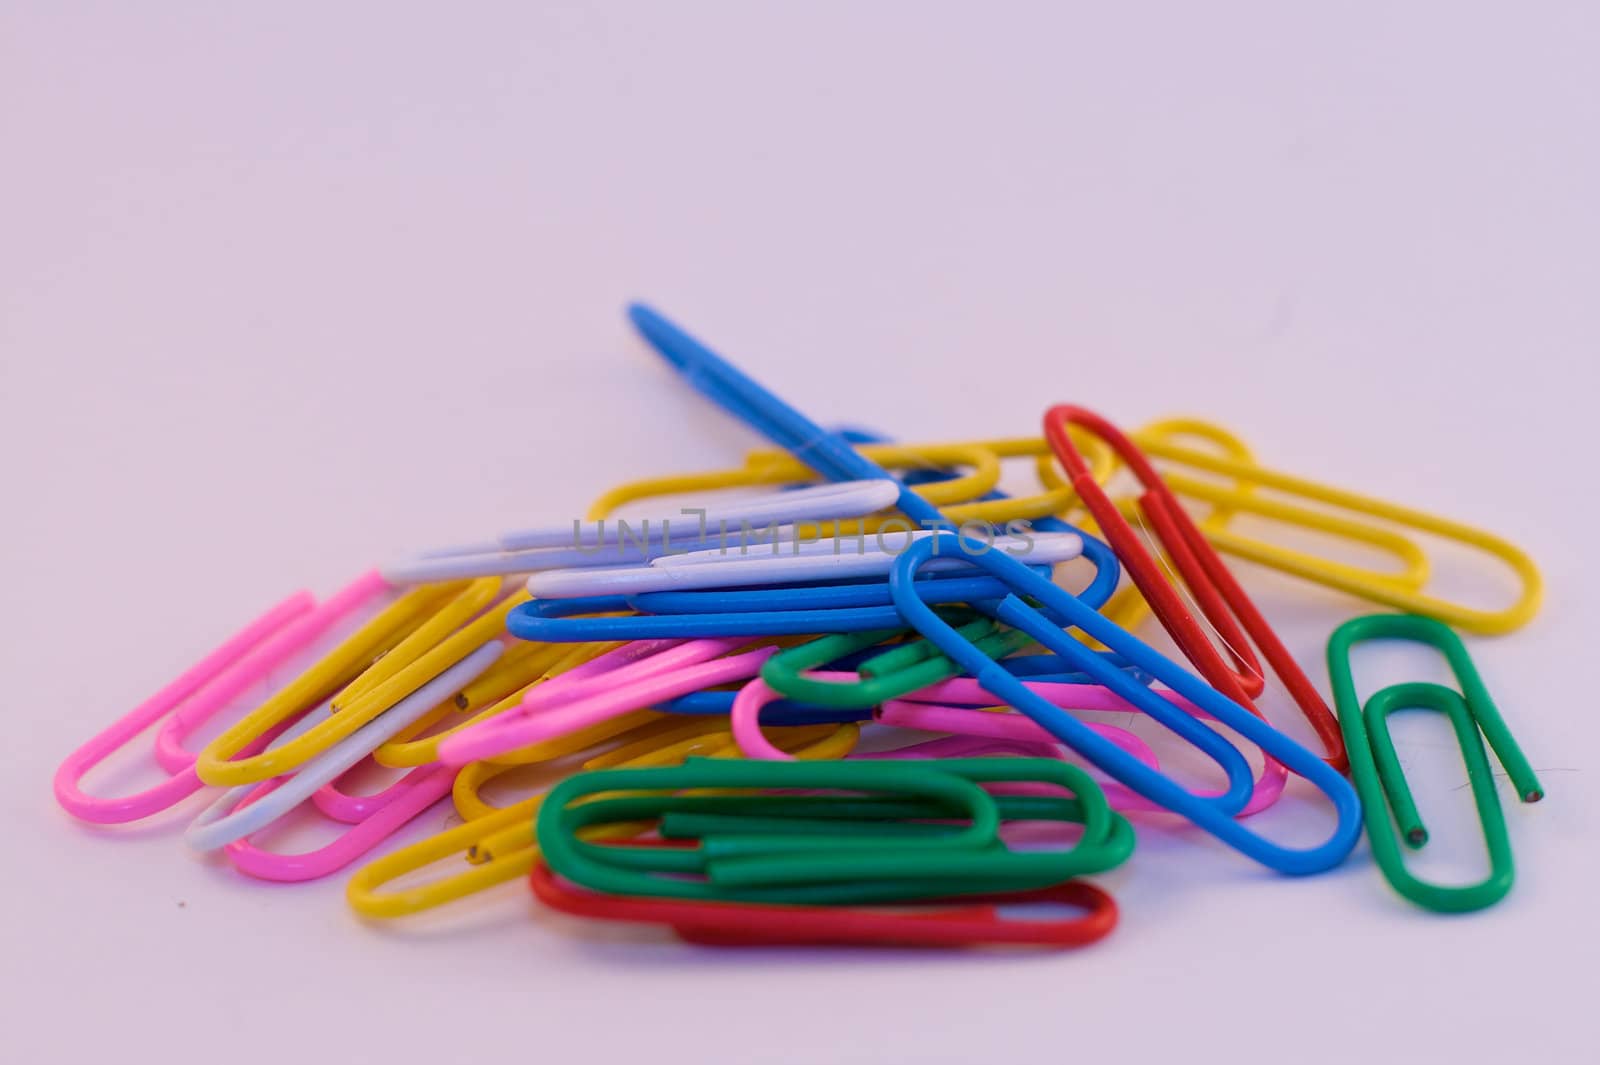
(288, 291)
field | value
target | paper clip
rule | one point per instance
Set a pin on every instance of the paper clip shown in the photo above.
(827, 849)
(1214, 813)
(217, 678)
(948, 582)
(222, 676)
(1380, 779)
(975, 921)
(1220, 597)
(823, 560)
(1398, 590)
(676, 671)
(600, 618)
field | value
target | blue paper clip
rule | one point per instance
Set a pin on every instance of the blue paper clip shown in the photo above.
(572, 621)
(1212, 813)
(777, 611)
(830, 454)
(848, 607)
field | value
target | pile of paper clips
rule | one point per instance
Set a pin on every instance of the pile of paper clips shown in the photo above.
(691, 689)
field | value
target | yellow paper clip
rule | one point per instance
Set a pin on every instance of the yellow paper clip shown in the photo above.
(1401, 590)
(414, 632)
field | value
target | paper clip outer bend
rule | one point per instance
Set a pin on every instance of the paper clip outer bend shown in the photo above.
(376, 684)
(214, 681)
(1222, 599)
(974, 921)
(1380, 779)
(244, 660)
(502, 842)
(1214, 813)
(1400, 591)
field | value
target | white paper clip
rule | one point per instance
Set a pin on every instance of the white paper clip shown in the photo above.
(810, 562)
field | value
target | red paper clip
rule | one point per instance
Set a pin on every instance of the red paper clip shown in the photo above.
(1222, 600)
(971, 921)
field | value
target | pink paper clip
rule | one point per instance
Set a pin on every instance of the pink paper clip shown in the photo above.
(632, 661)
(609, 690)
(219, 678)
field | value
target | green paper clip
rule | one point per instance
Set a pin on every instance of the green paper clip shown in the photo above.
(1379, 779)
(906, 830)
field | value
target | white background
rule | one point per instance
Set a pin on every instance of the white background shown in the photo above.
(288, 290)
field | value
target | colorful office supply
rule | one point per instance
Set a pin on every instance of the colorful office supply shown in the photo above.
(846, 693)
(1379, 777)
